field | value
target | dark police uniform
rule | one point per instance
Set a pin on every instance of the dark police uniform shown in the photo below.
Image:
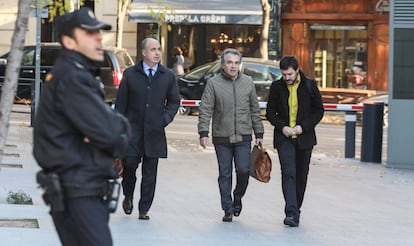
(71, 109)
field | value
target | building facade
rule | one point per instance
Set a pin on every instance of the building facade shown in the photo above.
(341, 43)
(202, 29)
(105, 11)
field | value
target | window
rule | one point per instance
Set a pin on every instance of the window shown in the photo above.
(28, 57)
(48, 56)
(258, 72)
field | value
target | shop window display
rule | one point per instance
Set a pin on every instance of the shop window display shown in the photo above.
(340, 58)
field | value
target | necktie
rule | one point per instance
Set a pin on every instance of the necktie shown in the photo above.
(150, 75)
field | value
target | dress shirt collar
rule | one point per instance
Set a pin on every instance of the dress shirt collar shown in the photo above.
(146, 67)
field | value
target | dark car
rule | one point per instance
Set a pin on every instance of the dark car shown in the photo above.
(263, 72)
(116, 60)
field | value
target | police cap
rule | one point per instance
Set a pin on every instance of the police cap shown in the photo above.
(83, 18)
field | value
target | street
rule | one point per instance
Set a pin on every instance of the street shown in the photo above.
(182, 134)
(347, 202)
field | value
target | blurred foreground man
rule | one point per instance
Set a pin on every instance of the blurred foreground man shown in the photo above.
(77, 136)
(294, 108)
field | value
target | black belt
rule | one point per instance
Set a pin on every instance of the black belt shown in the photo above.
(76, 192)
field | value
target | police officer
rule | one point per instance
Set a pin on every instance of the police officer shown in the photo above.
(76, 134)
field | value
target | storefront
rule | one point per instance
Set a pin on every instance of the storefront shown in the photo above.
(202, 29)
(341, 43)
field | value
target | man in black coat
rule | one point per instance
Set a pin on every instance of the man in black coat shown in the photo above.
(77, 135)
(294, 108)
(148, 96)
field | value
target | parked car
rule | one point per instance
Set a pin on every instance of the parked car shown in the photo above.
(116, 60)
(263, 72)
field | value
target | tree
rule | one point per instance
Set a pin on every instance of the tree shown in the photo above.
(122, 9)
(160, 13)
(264, 35)
(12, 72)
(59, 7)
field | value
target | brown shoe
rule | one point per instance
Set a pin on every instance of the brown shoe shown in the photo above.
(127, 205)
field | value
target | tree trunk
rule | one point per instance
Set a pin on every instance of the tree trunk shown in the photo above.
(8, 89)
(264, 37)
(122, 9)
(191, 54)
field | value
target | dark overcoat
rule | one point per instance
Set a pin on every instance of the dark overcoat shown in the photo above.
(310, 110)
(149, 106)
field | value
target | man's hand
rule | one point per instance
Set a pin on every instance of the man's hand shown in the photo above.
(204, 142)
(298, 130)
(288, 131)
(259, 140)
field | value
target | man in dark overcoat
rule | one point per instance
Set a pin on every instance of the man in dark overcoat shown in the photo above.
(294, 108)
(148, 96)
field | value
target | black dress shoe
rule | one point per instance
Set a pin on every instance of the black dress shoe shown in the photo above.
(237, 208)
(143, 216)
(290, 221)
(228, 217)
(127, 205)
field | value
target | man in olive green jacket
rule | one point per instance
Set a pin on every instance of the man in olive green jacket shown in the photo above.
(230, 101)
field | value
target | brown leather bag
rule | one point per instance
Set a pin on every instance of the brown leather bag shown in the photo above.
(119, 167)
(260, 164)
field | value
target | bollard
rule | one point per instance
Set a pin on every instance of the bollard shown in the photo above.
(372, 124)
(350, 122)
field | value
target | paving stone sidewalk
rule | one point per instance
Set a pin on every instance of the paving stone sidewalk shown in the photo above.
(347, 203)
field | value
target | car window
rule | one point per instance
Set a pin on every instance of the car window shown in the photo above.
(258, 72)
(28, 57)
(275, 73)
(216, 68)
(124, 60)
(48, 56)
(198, 72)
(106, 63)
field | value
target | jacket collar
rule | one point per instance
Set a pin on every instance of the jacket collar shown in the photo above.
(227, 77)
(81, 61)
(140, 68)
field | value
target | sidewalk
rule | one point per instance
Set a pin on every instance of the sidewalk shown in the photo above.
(347, 203)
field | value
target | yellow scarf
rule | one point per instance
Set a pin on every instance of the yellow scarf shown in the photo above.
(293, 103)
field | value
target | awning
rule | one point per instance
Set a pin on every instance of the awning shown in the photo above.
(197, 11)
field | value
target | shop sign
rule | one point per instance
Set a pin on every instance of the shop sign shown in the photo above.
(195, 18)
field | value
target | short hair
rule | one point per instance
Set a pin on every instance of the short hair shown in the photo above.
(145, 42)
(229, 51)
(287, 62)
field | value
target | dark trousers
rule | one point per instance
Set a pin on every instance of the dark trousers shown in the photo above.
(294, 163)
(226, 153)
(84, 222)
(148, 180)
